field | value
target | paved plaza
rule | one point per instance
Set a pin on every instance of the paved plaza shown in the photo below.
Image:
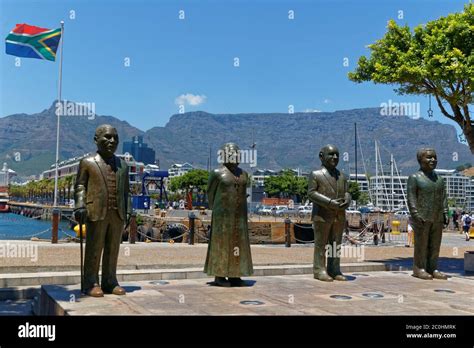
(368, 293)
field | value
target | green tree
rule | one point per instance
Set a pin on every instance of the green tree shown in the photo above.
(354, 190)
(436, 59)
(286, 184)
(196, 178)
(451, 202)
(364, 198)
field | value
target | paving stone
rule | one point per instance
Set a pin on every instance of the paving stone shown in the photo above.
(308, 297)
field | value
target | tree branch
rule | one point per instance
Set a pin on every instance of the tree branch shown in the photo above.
(443, 110)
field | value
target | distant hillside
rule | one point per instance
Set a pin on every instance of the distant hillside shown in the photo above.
(294, 140)
(283, 140)
(34, 137)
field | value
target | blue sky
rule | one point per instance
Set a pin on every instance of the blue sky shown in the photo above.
(282, 62)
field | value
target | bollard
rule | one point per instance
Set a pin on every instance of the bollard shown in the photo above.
(192, 217)
(287, 233)
(133, 229)
(55, 227)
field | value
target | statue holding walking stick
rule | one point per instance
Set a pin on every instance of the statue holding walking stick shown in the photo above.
(102, 197)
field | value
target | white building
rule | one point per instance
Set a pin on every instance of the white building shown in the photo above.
(135, 169)
(458, 186)
(65, 168)
(389, 193)
(6, 175)
(470, 195)
(178, 169)
(70, 167)
(259, 175)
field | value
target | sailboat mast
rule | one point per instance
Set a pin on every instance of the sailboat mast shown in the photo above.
(391, 178)
(355, 153)
(376, 175)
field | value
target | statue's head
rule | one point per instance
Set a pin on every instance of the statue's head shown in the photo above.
(229, 154)
(106, 139)
(329, 156)
(427, 159)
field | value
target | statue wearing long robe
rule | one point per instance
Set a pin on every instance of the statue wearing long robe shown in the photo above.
(228, 253)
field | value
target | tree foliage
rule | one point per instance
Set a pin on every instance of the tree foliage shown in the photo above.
(354, 190)
(43, 190)
(287, 185)
(435, 59)
(196, 178)
(363, 198)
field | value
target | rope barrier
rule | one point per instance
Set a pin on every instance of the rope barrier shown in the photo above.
(25, 236)
(149, 237)
(69, 235)
(304, 241)
(301, 226)
(279, 238)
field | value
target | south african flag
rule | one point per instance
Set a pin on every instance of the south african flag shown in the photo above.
(33, 42)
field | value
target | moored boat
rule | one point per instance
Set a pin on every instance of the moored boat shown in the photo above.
(4, 208)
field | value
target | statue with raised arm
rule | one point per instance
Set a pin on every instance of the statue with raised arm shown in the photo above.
(103, 201)
(228, 254)
(427, 203)
(328, 190)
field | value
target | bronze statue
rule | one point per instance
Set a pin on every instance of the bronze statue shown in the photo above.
(428, 207)
(228, 253)
(328, 190)
(102, 200)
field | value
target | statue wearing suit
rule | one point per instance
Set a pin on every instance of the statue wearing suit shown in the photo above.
(102, 201)
(428, 207)
(328, 190)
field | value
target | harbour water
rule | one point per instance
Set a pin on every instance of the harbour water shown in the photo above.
(13, 226)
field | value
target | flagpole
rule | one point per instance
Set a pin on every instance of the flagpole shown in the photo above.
(58, 107)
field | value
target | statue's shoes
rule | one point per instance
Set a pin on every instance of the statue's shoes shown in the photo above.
(95, 291)
(438, 275)
(116, 290)
(339, 277)
(422, 274)
(237, 282)
(323, 276)
(221, 281)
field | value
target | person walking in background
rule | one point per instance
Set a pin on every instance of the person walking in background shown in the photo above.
(456, 220)
(466, 224)
(409, 233)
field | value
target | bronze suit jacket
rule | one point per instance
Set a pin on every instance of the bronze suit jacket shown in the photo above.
(322, 187)
(427, 198)
(90, 190)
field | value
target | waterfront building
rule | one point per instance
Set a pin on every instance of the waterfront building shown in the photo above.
(259, 175)
(6, 175)
(65, 168)
(389, 192)
(457, 186)
(178, 169)
(70, 167)
(139, 150)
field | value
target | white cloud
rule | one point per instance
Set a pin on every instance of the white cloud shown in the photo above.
(312, 110)
(327, 101)
(190, 99)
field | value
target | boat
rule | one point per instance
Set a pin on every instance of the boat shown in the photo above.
(4, 208)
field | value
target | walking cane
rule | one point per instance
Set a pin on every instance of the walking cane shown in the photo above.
(82, 263)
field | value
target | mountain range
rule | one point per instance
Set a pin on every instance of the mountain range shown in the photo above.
(282, 140)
